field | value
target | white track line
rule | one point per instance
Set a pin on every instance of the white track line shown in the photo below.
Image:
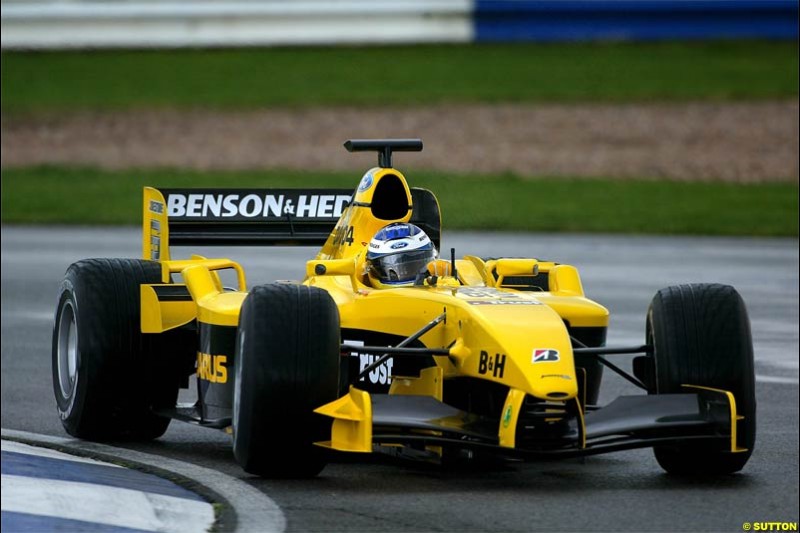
(18, 447)
(777, 379)
(254, 510)
(29, 315)
(100, 504)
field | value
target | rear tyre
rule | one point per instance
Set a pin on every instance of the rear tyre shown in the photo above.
(107, 375)
(701, 336)
(286, 364)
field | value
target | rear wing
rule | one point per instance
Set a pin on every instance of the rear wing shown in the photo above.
(255, 217)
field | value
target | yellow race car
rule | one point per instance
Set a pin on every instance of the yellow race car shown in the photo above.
(386, 344)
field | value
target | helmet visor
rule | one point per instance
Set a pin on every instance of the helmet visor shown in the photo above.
(402, 267)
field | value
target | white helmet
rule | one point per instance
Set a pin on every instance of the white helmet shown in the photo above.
(397, 254)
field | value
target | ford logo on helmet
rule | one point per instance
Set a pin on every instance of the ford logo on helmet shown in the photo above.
(398, 245)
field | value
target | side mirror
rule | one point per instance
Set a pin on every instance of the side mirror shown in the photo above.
(333, 267)
(330, 267)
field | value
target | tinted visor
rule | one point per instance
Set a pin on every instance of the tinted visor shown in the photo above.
(401, 267)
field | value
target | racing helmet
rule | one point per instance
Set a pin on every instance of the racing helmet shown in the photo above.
(397, 254)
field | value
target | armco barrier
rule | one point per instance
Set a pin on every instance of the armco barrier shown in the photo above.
(576, 20)
(51, 24)
(140, 24)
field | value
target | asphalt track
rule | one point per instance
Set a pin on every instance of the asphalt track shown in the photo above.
(624, 491)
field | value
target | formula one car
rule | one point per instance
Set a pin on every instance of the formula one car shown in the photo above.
(477, 357)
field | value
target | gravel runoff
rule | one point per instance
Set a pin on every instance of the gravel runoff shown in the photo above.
(736, 141)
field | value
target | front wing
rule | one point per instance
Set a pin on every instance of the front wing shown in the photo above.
(539, 430)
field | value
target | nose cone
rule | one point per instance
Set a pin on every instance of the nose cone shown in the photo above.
(549, 368)
(527, 348)
(555, 382)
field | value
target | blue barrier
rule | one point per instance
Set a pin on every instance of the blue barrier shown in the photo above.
(48, 24)
(579, 20)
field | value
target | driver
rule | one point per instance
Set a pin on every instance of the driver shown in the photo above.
(397, 255)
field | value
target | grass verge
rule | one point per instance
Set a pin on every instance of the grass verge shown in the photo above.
(65, 195)
(402, 75)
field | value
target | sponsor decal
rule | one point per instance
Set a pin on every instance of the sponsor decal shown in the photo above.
(155, 240)
(380, 375)
(366, 182)
(492, 365)
(485, 292)
(155, 248)
(249, 205)
(560, 376)
(504, 302)
(156, 207)
(343, 235)
(544, 355)
(399, 245)
(507, 416)
(212, 367)
(492, 296)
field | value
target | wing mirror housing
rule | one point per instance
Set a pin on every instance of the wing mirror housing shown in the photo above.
(333, 267)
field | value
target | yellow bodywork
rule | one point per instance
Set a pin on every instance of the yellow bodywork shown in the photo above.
(492, 331)
(352, 422)
(209, 303)
(155, 227)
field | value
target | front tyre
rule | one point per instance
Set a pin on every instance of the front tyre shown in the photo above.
(286, 365)
(105, 379)
(701, 336)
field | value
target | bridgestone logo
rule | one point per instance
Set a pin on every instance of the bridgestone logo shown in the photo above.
(255, 205)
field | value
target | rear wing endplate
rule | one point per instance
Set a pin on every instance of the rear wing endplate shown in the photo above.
(255, 217)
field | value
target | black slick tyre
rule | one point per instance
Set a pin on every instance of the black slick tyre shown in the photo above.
(701, 336)
(107, 375)
(286, 365)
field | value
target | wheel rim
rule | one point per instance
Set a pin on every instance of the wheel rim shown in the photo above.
(67, 350)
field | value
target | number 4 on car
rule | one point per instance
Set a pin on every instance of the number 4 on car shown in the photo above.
(386, 343)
